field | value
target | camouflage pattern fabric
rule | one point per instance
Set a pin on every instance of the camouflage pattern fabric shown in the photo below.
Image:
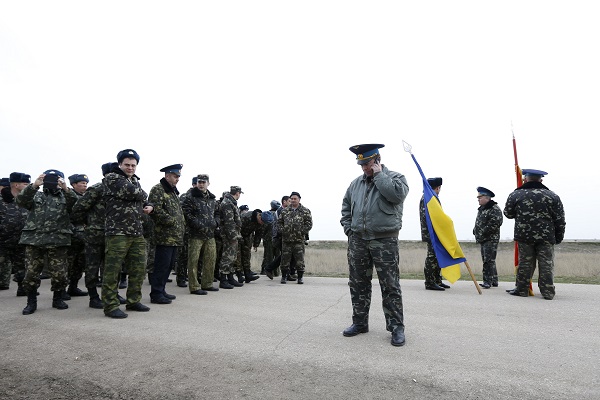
(12, 254)
(129, 251)
(148, 228)
(230, 226)
(208, 249)
(252, 234)
(94, 263)
(48, 223)
(76, 259)
(293, 225)
(228, 256)
(292, 253)
(488, 222)
(489, 250)
(432, 269)
(90, 210)
(124, 201)
(529, 253)
(56, 259)
(12, 261)
(382, 254)
(267, 238)
(169, 224)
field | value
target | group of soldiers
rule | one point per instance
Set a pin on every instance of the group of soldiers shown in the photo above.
(115, 234)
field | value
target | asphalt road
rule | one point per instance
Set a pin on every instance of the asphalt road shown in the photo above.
(272, 341)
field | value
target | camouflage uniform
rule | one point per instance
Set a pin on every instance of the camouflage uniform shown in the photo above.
(90, 210)
(252, 234)
(148, 228)
(539, 225)
(124, 200)
(372, 218)
(294, 225)
(487, 234)
(169, 227)
(230, 224)
(76, 254)
(12, 254)
(432, 269)
(47, 235)
(202, 216)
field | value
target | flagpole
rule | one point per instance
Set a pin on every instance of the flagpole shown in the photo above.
(473, 277)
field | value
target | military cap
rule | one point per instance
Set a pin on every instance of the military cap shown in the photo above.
(267, 217)
(296, 194)
(235, 189)
(533, 172)
(484, 191)
(275, 204)
(128, 153)
(4, 182)
(434, 182)
(173, 169)
(108, 167)
(54, 172)
(20, 177)
(73, 179)
(203, 177)
(244, 207)
(366, 152)
(194, 180)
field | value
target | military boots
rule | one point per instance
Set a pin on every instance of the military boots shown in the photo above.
(74, 290)
(233, 282)
(300, 277)
(225, 282)
(250, 276)
(57, 300)
(31, 303)
(95, 301)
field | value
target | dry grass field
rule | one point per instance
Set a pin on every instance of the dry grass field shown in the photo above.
(575, 262)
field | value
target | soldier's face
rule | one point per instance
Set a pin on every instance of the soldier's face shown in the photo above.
(80, 187)
(172, 179)
(128, 166)
(483, 200)
(19, 185)
(202, 186)
(295, 201)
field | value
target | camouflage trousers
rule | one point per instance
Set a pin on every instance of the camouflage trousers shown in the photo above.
(289, 250)
(208, 250)
(489, 249)
(543, 254)
(76, 261)
(219, 251)
(245, 253)
(94, 262)
(182, 260)
(382, 254)
(268, 254)
(432, 269)
(228, 256)
(150, 251)
(130, 252)
(12, 261)
(56, 259)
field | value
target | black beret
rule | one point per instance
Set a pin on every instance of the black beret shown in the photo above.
(128, 153)
(20, 177)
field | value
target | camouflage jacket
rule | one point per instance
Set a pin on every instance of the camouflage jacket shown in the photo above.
(423, 218)
(169, 224)
(12, 219)
(77, 227)
(488, 222)
(538, 213)
(48, 223)
(201, 213)
(230, 218)
(124, 200)
(294, 225)
(372, 207)
(90, 210)
(250, 227)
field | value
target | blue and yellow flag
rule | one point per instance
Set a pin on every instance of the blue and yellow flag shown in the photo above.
(441, 230)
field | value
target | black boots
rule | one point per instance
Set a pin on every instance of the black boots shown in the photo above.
(233, 282)
(225, 282)
(284, 275)
(250, 276)
(74, 290)
(57, 300)
(123, 281)
(95, 301)
(300, 277)
(31, 303)
(240, 277)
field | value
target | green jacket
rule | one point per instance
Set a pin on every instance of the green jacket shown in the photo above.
(169, 224)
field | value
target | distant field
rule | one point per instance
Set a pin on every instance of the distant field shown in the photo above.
(575, 262)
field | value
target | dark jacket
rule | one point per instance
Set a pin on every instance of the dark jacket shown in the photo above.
(201, 213)
(488, 222)
(12, 219)
(229, 214)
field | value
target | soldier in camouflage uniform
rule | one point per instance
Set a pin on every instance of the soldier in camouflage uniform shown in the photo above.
(539, 225)
(125, 202)
(202, 217)
(230, 225)
(90, 211)
(487, 234)
(77, 267)
(432, 272)
(47, 234)
(294, 223)
(268, 254)
(372, 218)
(12, 221)
(182, 258)
(252, 231)
(169, 227)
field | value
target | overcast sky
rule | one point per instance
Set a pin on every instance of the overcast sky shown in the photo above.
(269, 95)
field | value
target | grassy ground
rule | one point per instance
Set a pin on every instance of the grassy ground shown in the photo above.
(575, 261)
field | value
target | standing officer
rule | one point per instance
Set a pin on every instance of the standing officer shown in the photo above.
(169, 227)
(372, 218)
(12, 221)
(487, 234)
(230, 226)
(125, 202)
(539, 225)
(293, 223)
(79, 184)
(432, 271)
(47, 233)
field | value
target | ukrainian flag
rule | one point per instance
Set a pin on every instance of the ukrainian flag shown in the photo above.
(441, 230)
